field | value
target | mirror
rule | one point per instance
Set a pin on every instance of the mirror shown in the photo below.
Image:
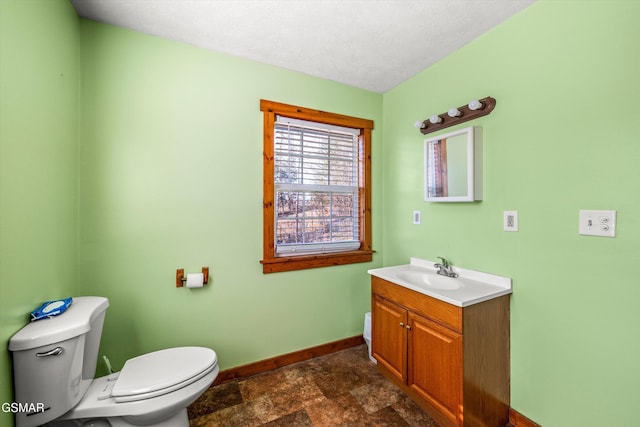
(453, 166)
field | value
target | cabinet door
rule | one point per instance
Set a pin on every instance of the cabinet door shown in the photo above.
(435, 365)
(389, 337)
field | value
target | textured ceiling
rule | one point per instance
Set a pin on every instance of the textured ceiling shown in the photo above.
(370, 44)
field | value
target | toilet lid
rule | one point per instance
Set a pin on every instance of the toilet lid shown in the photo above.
(162, 371)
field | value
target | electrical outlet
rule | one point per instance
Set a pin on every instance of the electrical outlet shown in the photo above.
(597, 223)
(510, 221)
(417, 217)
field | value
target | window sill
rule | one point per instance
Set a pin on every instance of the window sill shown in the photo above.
(292, 263)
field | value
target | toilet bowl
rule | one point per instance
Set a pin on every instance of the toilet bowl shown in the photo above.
(55, 360)
(149, 389)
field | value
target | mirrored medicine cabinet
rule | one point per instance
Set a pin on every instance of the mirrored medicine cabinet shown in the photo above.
(453, 166)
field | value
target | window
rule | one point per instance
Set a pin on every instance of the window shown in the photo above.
(317, 195)
(437, 168)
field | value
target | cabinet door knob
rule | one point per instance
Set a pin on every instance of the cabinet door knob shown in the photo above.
(409, 327)
(402, 324)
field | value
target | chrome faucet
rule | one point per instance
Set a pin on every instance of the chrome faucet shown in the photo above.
(444, 268)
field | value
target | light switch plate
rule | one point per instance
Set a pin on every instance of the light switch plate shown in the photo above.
(510, 221)
(597, 223)
(417, 217)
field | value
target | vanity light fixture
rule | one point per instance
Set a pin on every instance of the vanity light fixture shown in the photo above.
(476, 108)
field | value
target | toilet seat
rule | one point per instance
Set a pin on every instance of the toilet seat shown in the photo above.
(162, 372)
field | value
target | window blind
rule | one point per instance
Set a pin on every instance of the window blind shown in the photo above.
(316, 187)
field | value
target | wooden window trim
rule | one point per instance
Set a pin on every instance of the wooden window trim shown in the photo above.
(270, 262)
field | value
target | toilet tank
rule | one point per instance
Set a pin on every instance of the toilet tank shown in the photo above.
(54, 360)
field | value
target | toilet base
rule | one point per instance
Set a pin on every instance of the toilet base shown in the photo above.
(181, 419)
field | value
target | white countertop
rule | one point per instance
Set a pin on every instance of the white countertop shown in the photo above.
(470, 287)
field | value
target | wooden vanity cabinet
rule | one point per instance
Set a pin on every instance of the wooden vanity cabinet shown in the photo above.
(453, 361)
(388, 320)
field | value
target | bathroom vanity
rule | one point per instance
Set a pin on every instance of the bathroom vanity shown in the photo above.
(444, 341)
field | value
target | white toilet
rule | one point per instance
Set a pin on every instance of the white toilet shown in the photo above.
(54, 364)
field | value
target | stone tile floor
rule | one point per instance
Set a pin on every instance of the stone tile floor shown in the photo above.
(339, 389)
(342, 388)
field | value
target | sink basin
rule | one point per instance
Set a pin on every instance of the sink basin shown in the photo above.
(470, 287)
(430, 280)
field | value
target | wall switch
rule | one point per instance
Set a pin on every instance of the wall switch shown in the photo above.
(417, 217)
(510, 220)
(597, 223)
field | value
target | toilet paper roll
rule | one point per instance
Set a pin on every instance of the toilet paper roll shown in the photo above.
(195, 280)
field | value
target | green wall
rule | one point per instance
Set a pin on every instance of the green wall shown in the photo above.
(171, 177)
(563, 137)
(39, 48)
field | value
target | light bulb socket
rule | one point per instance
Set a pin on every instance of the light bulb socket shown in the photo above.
(419, 124)
(454, 112)
(435, 119)
(476, 105)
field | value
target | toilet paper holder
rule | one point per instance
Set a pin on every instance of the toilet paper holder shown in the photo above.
(181, 278)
